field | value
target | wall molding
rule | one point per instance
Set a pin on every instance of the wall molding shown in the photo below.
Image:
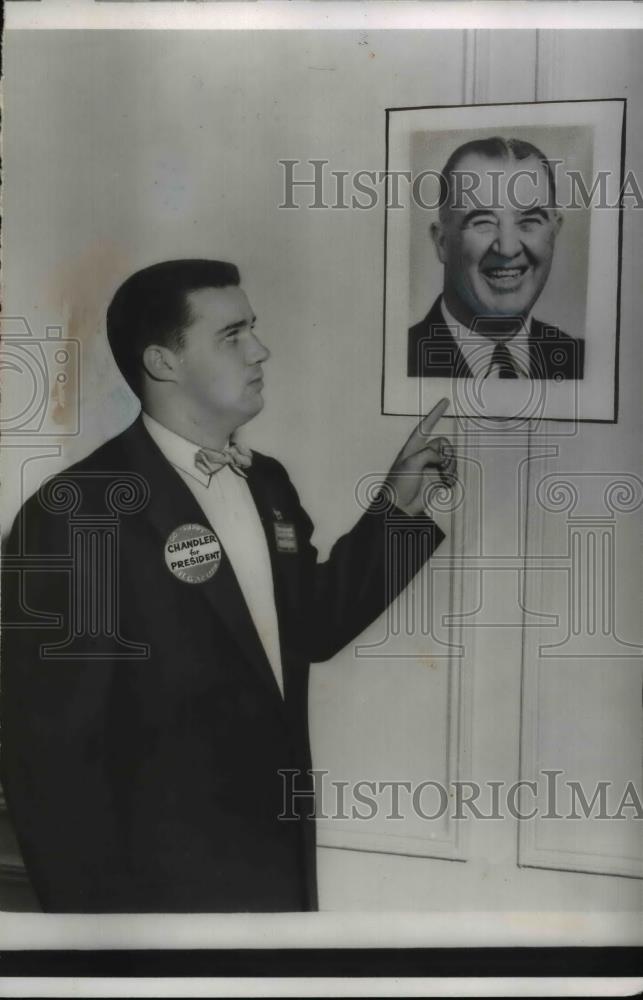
(585, 633)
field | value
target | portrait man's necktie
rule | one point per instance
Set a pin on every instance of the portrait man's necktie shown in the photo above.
(501, 358)
(209, 461)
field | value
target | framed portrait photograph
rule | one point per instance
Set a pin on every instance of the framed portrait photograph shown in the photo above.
(502, 259)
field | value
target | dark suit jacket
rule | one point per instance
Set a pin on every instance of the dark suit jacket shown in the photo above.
(141, 766)
(434, 352)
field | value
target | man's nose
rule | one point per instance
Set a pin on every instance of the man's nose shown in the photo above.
(257, 352)
(507, 243)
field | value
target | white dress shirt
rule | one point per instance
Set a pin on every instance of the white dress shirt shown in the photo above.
(229, 509)
(478, 349)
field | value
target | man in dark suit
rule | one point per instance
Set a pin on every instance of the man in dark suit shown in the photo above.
(495, 237)
(162, 602)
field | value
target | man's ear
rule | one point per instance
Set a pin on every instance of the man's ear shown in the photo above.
(160, 363)
(438, 236)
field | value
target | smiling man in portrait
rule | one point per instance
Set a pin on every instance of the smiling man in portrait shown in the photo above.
(495, 236)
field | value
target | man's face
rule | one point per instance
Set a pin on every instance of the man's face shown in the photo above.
(497, 257)
(219, 364)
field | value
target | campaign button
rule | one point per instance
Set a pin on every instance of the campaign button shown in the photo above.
(193, 553)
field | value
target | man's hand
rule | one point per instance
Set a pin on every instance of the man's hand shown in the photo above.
(422, 462)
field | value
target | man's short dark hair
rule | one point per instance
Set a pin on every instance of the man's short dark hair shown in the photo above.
(151, 307)
(495, 147)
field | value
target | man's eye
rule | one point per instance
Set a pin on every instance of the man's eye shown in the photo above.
(531, 223)
(484, 225)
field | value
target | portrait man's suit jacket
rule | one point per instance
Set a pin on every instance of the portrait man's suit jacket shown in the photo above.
(433, 351)
(146, 777)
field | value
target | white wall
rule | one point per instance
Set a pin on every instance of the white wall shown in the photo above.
(144, 146)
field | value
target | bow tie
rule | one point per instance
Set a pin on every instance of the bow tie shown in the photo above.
(209, 461)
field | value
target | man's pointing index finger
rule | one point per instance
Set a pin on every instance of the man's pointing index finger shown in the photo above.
(419, 436)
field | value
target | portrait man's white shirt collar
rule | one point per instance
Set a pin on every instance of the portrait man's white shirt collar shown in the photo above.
(477, 349)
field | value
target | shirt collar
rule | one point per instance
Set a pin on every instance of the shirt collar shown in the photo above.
(475, 345)
(178, 450)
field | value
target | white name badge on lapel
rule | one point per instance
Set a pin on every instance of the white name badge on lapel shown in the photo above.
(285, 536)
(193, 553)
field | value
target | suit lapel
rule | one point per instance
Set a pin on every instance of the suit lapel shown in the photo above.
(434, 350)
(284, 566)
(172, 504)
(442, 332)
(553, 354)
